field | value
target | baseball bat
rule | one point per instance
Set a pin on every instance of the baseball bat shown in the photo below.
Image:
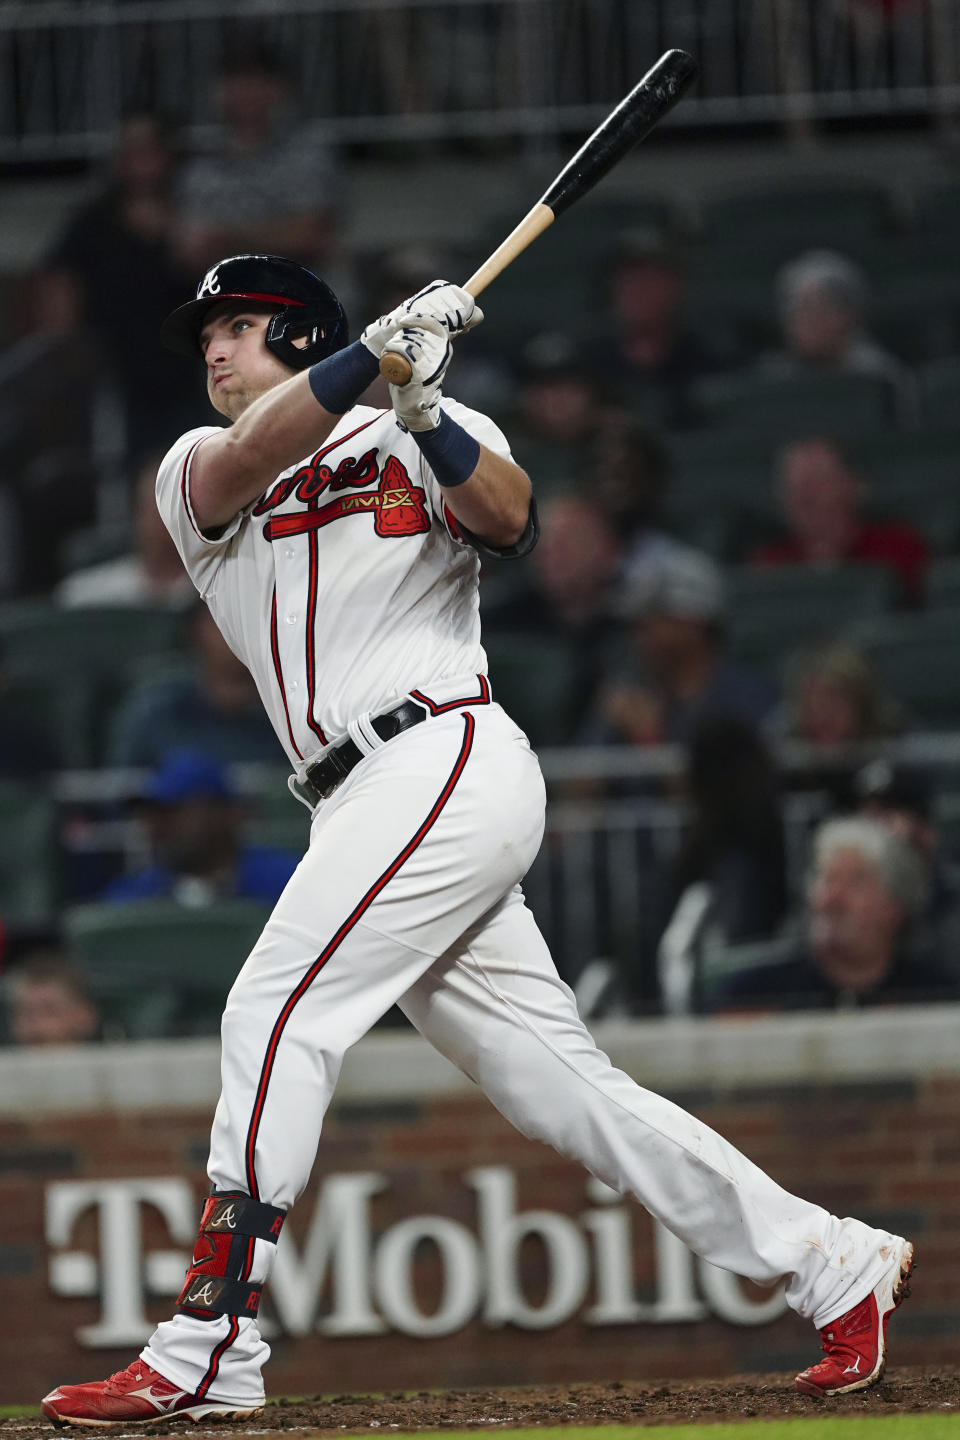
(624, 127)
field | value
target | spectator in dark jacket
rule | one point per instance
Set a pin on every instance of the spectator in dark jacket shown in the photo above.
(680, 673)
(867, 887)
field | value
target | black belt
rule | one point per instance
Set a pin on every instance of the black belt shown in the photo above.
(323, 778)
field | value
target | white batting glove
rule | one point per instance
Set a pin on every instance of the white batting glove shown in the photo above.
(440, 302)
(428, 351)
(451, 305)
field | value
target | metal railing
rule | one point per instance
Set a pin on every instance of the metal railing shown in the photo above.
(382, 70)
(596, 885)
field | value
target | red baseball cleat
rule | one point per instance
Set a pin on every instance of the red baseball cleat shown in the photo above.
(135, 1396)
(855, 1344)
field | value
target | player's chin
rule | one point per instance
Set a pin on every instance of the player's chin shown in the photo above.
(224, 403)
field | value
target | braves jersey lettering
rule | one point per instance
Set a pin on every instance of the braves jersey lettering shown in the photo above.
(314, 478)
(398, 507)
(336, 621)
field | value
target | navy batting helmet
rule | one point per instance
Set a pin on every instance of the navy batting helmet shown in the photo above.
(306, 307)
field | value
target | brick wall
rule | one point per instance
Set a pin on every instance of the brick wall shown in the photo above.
(887, 1151)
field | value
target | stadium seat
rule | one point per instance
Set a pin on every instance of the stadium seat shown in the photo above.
(783, 406)
(943, 584)
(773, 612)
(779, 221)
(76, 663)
(915, 656)
(721, 495)
(28, 854)
(720, 964)
(274, 817)
(939, 383)
(912, 476)
(535, 680)
(98, 638)
(158, 968)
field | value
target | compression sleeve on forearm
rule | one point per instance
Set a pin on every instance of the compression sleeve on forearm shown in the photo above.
(338, 381)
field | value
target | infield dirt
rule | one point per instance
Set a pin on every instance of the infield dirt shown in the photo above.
(903, 1390)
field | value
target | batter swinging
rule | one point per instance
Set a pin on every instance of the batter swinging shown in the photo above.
(336, 546)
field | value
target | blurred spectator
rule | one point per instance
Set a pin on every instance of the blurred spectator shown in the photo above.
(211, 704)
(648, 356)
(728, 883)
(834, 700)
(199, 854)
(903, 800)
(114, 271)
(679, 673)
(557, 411)
(51, 398)
(822, 300)
(27, 749)
(867, 887)
(48, 1003)
(627, 472)
(821, 495)
(565, 593)
(270, 185)
(151, 574)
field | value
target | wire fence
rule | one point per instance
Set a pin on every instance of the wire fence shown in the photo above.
(438, 70)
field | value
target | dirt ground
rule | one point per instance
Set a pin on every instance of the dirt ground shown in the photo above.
(762, 1397)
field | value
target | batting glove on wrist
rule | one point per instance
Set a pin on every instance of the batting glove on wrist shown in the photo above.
(440, 302)
(451, 305)
(428, 351)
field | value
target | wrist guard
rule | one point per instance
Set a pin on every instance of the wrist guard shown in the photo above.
(340, 380)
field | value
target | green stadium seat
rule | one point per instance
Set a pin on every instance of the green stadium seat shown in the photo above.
(29, 870)
(783, 406)
(938, 212)
(939, 384)
(780, 221)
(158, 968)
(93, 638)
(721, 496)
(720, 964)
(943, 584)
(72, 665)
(773, 612)
(915, 656)
(536, 681)
(274, 817)
(912, 475)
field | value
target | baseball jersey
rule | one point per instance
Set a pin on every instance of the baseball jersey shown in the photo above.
(345, 585)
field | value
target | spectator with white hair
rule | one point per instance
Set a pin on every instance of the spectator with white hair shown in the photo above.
(822, 304)
(858, 947)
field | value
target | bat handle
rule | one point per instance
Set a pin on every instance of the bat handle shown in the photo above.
(394, 368)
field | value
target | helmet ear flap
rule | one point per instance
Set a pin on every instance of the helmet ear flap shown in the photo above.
(323, 327)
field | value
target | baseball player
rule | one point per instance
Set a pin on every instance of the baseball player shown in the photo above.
(336, 546)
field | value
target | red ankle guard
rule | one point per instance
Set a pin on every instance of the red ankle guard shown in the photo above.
(216, 1282)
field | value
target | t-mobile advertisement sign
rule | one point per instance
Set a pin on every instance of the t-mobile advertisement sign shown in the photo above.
(345, 1277)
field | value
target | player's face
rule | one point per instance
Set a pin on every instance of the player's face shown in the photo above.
(240, 368)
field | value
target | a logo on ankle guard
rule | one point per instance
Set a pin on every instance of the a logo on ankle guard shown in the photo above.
(204, 1294)
(223, 1218)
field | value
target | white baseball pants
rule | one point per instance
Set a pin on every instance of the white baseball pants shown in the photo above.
(409, 894)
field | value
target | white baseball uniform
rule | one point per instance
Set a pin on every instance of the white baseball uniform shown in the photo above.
(345, 589)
